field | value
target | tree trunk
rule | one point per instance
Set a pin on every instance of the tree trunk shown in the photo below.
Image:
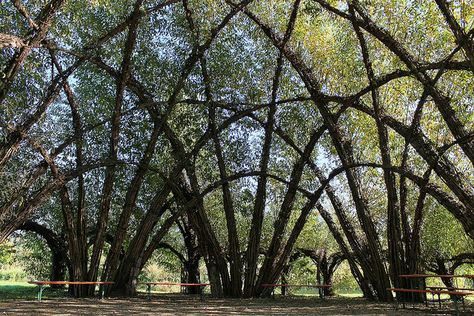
(396, 255)
(214, 278)
(344, 150)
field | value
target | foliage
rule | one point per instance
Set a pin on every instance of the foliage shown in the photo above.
(30, 260)
(185, 102)
(6, 253)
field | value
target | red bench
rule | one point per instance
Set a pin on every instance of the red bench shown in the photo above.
(456, 295)
(450, 289)
(41, 285)
(320, 287)
(200, 285)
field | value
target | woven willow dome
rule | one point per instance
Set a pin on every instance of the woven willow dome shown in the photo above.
(250, 127)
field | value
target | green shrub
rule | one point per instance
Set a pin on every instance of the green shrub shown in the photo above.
(6, 253)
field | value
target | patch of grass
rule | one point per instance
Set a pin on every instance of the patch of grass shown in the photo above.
(348, 293)
(355, 294)
(10, 290)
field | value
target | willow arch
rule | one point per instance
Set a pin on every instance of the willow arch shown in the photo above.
(173, 108)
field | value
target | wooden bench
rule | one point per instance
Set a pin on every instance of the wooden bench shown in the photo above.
(449, 289)
(456, 295)
(320, 287)
(200, 285)
(41, 285)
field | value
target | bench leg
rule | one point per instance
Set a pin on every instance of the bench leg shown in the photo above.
(321, 293)
(456, 306)
(148, 290)
(395, 301)
(201, 294)
(40, 291)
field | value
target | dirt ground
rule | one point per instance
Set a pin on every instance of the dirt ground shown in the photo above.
(185, 305)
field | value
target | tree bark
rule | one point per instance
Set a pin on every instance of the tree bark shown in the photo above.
(395, 247)
(32, 39)
(235, 261)
(344, 150)
(108, 184)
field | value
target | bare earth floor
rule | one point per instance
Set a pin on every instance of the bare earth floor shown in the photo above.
(185, 305)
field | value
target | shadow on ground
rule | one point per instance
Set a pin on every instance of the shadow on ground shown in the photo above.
(185, 305)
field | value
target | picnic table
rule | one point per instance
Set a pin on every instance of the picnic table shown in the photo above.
(456, 293)
(457, 290)
(320, 287)
(423, 277)
(200, 285)
(42, 284)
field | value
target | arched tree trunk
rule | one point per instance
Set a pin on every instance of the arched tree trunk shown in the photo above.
(448, 266)
(191, 264)
(326, 265)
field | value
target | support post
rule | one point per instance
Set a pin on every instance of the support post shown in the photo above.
(201, 292)
(40, 291)
(456, 305)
